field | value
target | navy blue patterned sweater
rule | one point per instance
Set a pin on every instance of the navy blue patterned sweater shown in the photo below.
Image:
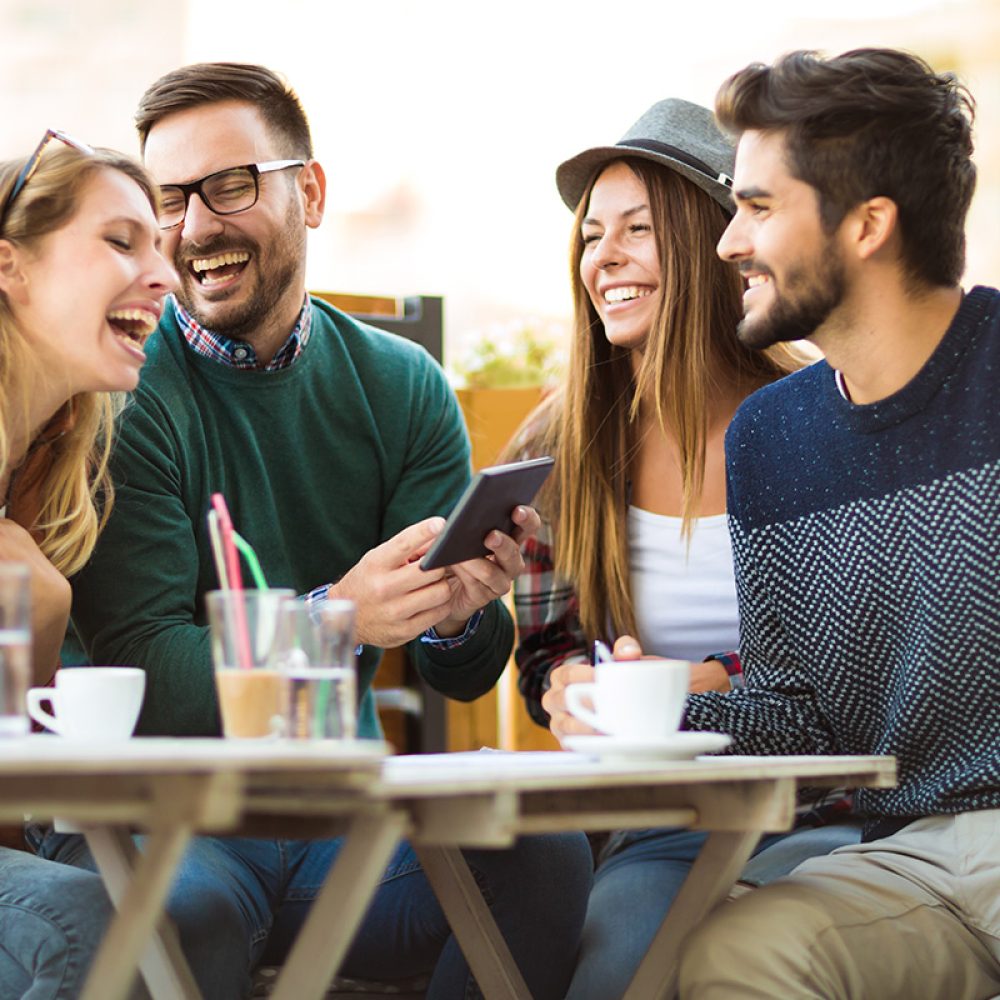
(867, 548)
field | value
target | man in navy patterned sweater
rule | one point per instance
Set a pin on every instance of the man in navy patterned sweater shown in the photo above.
(864, 502)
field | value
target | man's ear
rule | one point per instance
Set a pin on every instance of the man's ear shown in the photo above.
(13, 280)
(312, 181)
(875, 224)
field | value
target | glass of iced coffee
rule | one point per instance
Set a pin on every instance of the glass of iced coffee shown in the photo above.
(243, 625)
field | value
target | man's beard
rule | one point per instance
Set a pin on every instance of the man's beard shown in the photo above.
(812, 296)
(275, 273)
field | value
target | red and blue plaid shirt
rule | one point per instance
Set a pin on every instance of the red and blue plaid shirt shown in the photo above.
(238, 353)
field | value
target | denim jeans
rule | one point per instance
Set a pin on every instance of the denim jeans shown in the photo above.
(52, 918)
(640, 873)
(240, 902)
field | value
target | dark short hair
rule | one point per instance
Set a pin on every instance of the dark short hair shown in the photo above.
(867, 123)
(209, 83)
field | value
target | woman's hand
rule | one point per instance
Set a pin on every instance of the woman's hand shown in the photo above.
(51, 598)
(708, 676)
(561, 723)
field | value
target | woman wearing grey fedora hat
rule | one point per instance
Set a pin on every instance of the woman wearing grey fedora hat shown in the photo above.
(635, 540)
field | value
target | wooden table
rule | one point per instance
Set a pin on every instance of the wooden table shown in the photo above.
(473, 801)
(176, 788)
(171, 789)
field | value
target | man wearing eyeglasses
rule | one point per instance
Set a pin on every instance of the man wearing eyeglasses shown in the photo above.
(333, 444)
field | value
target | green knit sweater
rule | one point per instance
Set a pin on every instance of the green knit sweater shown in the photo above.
(319, 463)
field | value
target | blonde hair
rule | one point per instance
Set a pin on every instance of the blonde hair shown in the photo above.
(75, 490)
(591, 424)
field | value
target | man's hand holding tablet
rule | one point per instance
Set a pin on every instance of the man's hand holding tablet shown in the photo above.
(485, 506)
(464, 562)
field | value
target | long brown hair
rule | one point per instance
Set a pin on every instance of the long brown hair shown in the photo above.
(74, 475)
(692, 352)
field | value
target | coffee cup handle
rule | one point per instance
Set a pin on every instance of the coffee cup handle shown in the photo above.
(576, 695)
(35, 698)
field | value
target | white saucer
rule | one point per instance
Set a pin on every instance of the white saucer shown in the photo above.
(681, 746)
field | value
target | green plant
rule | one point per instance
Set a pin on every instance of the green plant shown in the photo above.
(513, 358)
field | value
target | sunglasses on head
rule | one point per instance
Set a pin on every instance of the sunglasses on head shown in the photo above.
(29, 168)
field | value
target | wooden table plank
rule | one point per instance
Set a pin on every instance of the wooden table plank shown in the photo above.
(712, 875)
(287, 784)
(489, 958)
(173, 788)
(340, 906)
(138, 883)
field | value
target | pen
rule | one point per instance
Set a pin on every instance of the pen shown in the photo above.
(601, 652)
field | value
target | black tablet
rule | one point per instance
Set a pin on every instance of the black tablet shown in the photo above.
(486, 504)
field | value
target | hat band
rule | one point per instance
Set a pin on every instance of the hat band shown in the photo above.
(652, 146)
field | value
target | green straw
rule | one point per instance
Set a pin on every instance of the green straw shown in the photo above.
(251, 557)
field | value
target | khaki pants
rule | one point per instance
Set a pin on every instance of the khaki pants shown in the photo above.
(915, 916)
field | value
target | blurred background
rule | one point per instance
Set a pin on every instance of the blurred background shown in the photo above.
(441, 123)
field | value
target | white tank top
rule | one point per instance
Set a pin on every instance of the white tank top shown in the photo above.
(685, 598)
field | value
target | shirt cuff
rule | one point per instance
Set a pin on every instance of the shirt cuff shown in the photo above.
(316, 597)
(731, 662)
(431, 638)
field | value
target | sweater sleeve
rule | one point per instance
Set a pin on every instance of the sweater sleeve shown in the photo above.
(776, 711)
(134, 602)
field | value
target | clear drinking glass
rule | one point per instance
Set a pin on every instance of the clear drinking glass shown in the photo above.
(15, 647)
(243, 625)
(315, 651)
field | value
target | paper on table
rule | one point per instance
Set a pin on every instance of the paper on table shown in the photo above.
(487, 758)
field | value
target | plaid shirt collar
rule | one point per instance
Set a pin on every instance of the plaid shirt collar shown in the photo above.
(238, 353)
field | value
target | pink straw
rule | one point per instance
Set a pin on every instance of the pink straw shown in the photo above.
(234, 579)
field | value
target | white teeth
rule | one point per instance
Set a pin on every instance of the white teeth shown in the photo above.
(208, 263)
(625, 292)
(142, 323)
(757, 279)
(207, 279)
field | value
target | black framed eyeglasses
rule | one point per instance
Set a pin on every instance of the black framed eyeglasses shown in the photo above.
(225, 192)
(29, 168)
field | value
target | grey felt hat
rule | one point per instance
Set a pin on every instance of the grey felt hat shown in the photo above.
(674, 133)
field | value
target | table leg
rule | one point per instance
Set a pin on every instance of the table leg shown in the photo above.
(340, 906)
(712, 875)
(472, 923)
(139, 936)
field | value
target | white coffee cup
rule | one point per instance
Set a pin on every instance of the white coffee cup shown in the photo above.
(91, 703)
(638, 699)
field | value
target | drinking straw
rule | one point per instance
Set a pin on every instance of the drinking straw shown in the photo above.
(319, 712)
(246, 550)
(217, 553)
(232, 558)
(252, 561)
(235, 580)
